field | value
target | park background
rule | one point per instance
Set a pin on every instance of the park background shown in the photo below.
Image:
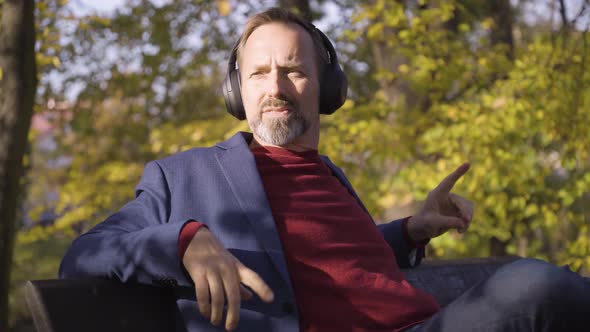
(502, 84)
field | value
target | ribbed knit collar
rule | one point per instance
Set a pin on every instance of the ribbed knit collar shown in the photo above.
(273, 151)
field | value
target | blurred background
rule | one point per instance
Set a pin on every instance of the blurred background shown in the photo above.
(503, 84)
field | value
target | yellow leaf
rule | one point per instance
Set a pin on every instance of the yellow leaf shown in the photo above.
(375, 30)
(403, 68)
(0, 73)
(404, 34)
(487, 24)
(386, 200)
(348, 104)
(55, 61)
(224, 7)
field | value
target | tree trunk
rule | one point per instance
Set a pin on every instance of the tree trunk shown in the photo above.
(563, 14)
(501, 11)
(17, 93)
(398, 92)
(498, 247)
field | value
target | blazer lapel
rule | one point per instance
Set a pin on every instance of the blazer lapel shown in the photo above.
(239, 168)
(340, 175)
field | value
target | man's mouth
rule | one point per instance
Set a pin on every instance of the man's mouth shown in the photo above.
(284, 110)
(277, 106)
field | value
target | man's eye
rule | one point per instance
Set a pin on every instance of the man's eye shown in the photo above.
(296, 73)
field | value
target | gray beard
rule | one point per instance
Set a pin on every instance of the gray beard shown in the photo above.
(279, 131)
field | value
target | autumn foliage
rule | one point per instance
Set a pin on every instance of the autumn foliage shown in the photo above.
(432, 84)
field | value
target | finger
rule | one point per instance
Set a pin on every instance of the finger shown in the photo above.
(231, 285)
(202, 292)
(464, 207)
(446, 223)
(467, 209)
(245, 294)
(253, 280)
(447, 184)
(217, 298)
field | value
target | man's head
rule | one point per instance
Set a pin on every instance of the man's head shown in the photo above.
(282, 63)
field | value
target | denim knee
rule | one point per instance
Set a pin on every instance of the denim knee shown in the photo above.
(532, 283)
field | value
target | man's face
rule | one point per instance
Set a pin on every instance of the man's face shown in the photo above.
(280, 83)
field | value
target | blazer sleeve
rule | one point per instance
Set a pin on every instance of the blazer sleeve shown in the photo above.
(137, 243)
(406, 256)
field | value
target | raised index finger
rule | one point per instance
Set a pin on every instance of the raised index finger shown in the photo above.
(447, 184)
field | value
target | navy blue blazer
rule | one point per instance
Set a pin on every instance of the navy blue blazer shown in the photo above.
(219, 186)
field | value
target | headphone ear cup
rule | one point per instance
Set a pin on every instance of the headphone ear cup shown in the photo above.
(334, 84)
(333, 89)
(232, 95)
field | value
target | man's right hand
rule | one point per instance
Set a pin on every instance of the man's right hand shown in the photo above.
(218, 276)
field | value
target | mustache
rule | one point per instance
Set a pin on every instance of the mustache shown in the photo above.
(276, 102)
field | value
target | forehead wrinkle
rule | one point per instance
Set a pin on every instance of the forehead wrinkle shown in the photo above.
(265, 61)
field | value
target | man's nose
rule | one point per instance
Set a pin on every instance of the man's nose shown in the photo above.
(275, 84)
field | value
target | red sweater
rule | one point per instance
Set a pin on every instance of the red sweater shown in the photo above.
(344, 274)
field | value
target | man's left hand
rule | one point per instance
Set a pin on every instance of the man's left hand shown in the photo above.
(442, 210)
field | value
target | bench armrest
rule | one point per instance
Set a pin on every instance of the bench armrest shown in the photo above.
(99, 305)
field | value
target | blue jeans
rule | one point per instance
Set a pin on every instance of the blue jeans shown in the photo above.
(526, 295)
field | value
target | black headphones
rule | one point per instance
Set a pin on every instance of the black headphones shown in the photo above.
(333, 82)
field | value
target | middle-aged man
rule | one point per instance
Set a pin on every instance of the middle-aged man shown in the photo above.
(272, 236)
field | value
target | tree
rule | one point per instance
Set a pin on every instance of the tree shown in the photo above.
(512, 104)
(17, 95)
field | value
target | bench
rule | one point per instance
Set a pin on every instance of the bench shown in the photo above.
(104, 305)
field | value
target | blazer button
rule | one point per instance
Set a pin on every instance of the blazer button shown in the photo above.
(287, 307)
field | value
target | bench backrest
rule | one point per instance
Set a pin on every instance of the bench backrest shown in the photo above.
(102, 305)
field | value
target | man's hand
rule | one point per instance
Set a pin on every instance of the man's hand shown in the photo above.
(217, 275)
(442, 210)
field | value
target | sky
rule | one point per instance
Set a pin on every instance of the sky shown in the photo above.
(83, 7)
(105, 6)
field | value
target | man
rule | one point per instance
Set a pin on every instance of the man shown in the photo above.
(273, 237)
